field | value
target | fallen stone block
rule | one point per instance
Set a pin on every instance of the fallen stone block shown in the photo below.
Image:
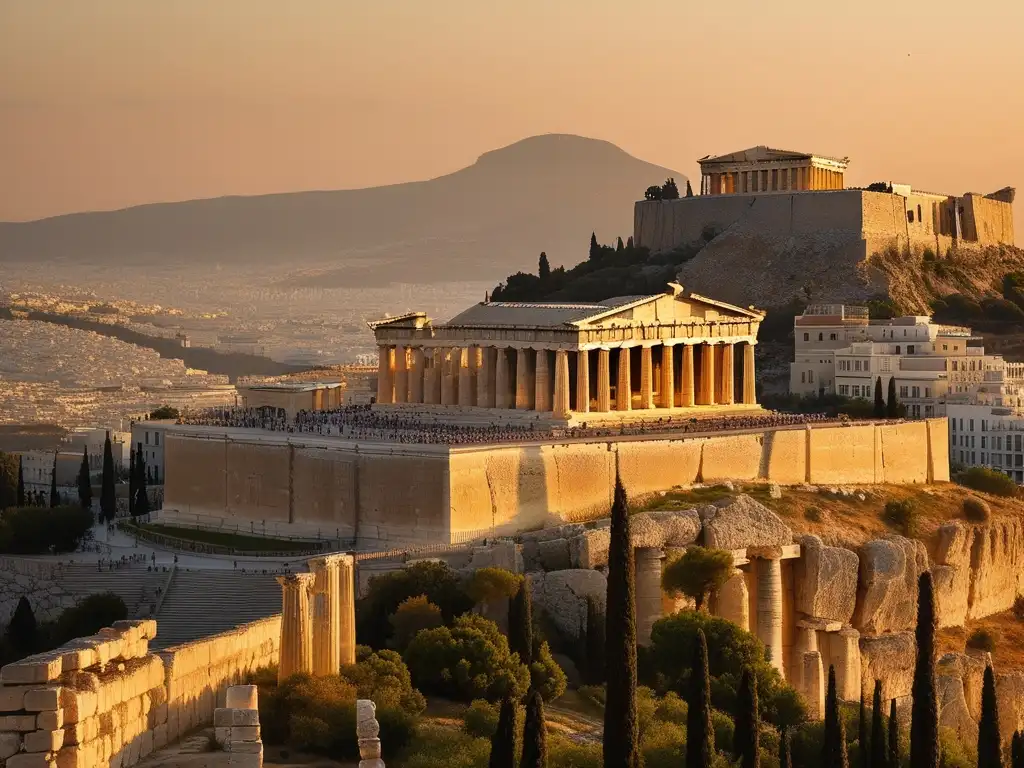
(826, 580)
(741, 522)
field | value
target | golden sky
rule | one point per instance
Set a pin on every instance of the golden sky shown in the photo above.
(109, 103)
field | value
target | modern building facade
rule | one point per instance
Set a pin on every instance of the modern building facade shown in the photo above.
(654, 353)
(763, 169)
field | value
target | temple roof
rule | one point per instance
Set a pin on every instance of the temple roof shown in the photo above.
(765, 154)
(539, 314)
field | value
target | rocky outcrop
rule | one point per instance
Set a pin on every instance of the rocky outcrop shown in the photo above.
(562, 595)
(980, 569)
(665, 529)
(889, 658)
(741, 522)
(1010, 698)
(887, 592)
(826, 580)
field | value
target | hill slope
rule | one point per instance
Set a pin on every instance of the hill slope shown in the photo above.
(541, 193)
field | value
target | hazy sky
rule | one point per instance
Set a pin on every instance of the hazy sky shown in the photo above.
(108, 103)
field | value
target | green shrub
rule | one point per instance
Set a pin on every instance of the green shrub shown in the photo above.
(88, 616)
(441, 747)
(413, 614)
(988, 481)
(595, 693)
(730, 651)
(663, 745)
(480, 718)
(487, 584)
(814, 514)
(982, 640)
(724, 730)
(977, 510)
(566, 753)
(671, 709)
(44, 530)
(955, 753)
(470, 660)
(383, 677)
(901, 515)
(547, 677)
(698, 573)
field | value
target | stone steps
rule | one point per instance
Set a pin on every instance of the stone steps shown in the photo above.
(202, 603)
(134, 584)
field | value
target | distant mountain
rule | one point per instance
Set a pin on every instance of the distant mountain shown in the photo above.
(545, 193)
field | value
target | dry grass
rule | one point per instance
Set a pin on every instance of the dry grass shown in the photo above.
(1007, 629)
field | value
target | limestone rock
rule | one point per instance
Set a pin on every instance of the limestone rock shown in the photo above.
(998, 567)
(554, 554)
(590, 549)
(669, 528)
(740, 522)
(952, 575)
(887, 594)
(531, 555)
(826, 580)
(366, 719)
(971, 671)
(498, 554)
(563, 595)
(1010, 698)
(953, 711)
(889, 658)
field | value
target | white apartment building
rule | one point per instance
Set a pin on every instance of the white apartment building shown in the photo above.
(148, 437)
(837, 349)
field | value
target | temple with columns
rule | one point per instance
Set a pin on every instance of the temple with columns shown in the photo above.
(639, 354)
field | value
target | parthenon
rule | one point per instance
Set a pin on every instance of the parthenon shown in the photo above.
(763, 169)
(659, 352)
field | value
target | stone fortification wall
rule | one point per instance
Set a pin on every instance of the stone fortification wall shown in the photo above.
(37, 580)
(105, 700)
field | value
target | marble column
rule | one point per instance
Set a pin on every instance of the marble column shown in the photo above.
(433, 380)
(726, 379)
(843, 649)
(604, 381)
(582, 381)
(326, 594)
(749, 391)
(668, 378)
(733, 601)
(445, 374)
(707, 375)
(524, 380)
(624, 388)
(542, 378)
(385, 385)
(485, 394)
(401, 374)
(647, 581)
(646, 378)
(686, 390)
(502, 385)
(769, 608)
(347, 608)
(813, 678)
(296, 635)
(806, 642)
(466, 388)
(416, 372)
(560, 406)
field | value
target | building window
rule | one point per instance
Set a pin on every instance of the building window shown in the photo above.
(904, 391)
(821, 337)
(844, 389)
(910, 349)
(807, 337)
(927, 391)
(832, 337)
(897, 349)
(971, 422)
(147, 438)
(156, 438)
(915, 392)
(955, 365)
(803, 377)
(984, 440)
(945, 347)
(910, 216)
(919, 216)
(810, 377)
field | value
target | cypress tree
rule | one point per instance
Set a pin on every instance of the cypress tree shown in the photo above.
(132, 476)
(990, 748)
(879, 400)
(619, 247)
(892, 407)
(689, 189)
(747, 736)
(84, 483)
(141, 492)
(54, 498)
(700, 736)
(621, 730)
(1017, 751)
(629, 242)
(22, 630)
(878, 754)
(595, 249)
(503, 741)
(924, 718)
(894, 737)
(831, 743)
(543, 267)
(520, 624)
(784, 761)
(535, 741)
(862, 735)
(21, 483)
(595, 650)
(844, 758)
(108, 500)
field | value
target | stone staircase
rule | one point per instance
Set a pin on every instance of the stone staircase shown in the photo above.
(137, 586)
(202, 603)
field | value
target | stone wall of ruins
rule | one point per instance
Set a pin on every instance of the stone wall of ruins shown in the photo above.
(106, 700)
(37, 580)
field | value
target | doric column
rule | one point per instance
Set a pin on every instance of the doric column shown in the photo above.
(385, 385)
(347, 608)
(844, 655)
(466, 388)
(769, 608)
(583, 381)
(604, 380)
(726, 380)
(401, 374)
(448, 378)
(485, 378)
(416, 372)
(502, 385)
(686, 391)
(749, 391)
(647, 580)
(706, 395)
(646, 378)
(806, 642)
(542, 388)
(434, 375)
(326, 615)
(296, 655)
(668, 378)
(560, 406)
(624, 388)
(813, 678)
(733, 601)
(524, 380)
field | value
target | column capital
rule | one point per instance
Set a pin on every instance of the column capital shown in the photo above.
(295, 580)
(326, 561)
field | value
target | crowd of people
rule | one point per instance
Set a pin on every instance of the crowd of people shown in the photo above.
(362, 422)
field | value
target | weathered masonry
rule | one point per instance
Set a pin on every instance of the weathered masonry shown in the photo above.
(763, 169)
(662, 352)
